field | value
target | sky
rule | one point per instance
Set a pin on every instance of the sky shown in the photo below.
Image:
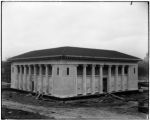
(119, 26)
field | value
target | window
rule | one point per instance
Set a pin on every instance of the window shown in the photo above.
(57, 71)
(126, 70)
(67, 71)
(134, 70)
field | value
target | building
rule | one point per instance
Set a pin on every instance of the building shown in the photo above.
(71, 71)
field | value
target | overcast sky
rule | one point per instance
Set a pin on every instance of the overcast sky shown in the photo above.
(120, 26)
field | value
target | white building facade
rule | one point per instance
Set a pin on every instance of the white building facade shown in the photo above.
(71, 75)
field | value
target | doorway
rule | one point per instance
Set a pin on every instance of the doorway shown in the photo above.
(104, 85)
(32, 85)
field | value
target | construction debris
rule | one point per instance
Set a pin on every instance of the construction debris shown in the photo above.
(110, 98)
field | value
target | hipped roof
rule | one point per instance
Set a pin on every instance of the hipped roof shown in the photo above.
(74, 53)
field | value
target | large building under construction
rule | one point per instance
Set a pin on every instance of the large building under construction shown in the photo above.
(71, 71)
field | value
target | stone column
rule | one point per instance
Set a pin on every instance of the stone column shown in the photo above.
(93, 78)
(122, 76)
(53, 74)
(109, 78)
(25, 77)
(116, 77)
(84, 91)
(20, 82)
(136, 71)
(129, 75)
(47, 80)
(16, 76)
(35, 78)
(29, 85)
(40, 82)
(19, 77)
(101, 79)
(76, 80)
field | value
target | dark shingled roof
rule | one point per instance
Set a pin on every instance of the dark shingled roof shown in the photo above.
(74, 52)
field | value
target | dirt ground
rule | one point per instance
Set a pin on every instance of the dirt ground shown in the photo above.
(87, 109)
(19, 114)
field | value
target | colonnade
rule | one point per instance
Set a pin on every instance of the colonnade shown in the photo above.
(101, 76)
(26, 74)
(29, 77)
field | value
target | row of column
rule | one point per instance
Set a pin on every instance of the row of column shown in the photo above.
(24, 81)
(101, 78)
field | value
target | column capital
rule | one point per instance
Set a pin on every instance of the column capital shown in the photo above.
(34, 65)
(19, 66)
(109, 66)
(84, 65)
(45, 65)
(93, 65)
(116, 66)
(123, 66)
(101, 65)
(39, 65)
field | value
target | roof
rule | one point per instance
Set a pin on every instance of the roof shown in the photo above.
(74, 53)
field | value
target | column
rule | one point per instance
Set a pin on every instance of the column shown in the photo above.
(47, 81)
(116, 78)
(53, 74)
(40, 82)
(16, 76)
(122, 76)
(20, 82)
(101, 79)
(93, 79)
(136, 71)
(76, 80)
(84, 80)
(35, 78)
(109, 78)
(25, 77)
(129, 75)
(19, 77)
(29, 85)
